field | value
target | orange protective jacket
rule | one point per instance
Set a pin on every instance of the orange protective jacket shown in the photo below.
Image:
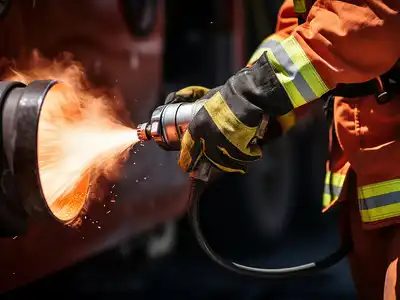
(345, 42)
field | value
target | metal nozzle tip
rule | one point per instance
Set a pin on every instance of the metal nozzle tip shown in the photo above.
(142, 133)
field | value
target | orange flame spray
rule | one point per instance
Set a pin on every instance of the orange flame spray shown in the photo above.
(81, 132)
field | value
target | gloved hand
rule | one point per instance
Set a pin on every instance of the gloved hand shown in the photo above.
(222, 132)
(187, 94)
(224, 129)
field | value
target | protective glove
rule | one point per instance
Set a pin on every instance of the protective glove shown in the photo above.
(187, 94)
(224, 129)
(222, 132)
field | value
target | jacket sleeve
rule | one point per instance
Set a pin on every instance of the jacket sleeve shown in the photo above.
(286, 23)
(341, 42)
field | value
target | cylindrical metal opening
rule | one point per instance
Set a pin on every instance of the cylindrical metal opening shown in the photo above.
(31, 147)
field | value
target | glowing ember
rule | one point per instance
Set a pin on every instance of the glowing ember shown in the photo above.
(80, 136)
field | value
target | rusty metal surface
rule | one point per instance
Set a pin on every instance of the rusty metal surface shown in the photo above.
(152, 188)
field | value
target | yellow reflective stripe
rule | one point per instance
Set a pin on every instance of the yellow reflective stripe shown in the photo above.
(285, 79)
(264, 46)
(287, 121)
(380, 213)
(187, 144)
(336, 180)
(327, 199)
(237, 133)
(379, 201)
(304, 65)
(300, 6)
(378, 189)
(293, 68)
(296, 72)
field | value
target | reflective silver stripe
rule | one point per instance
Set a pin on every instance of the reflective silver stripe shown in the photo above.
(294, 73)
(379, 201)
(264, 46)
(332, 188)
(268, 44)
(335, 190)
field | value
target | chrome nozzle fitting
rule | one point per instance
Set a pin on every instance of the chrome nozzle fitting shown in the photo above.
(143, 132)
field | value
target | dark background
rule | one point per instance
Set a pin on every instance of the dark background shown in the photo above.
(237, 211)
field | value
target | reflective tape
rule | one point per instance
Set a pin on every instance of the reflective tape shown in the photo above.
(293, 68)
(266, 44)
(300, 6)
(288, 120)
(379, 201)
(333, 187)
(296, 72)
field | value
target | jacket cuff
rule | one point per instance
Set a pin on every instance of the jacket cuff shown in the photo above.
(259, 85)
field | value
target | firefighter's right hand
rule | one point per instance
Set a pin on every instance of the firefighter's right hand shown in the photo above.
(187, 94)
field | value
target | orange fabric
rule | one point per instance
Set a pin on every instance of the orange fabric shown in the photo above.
(347, 42)
(373, 260)
(287, 19)
(351, 41)
(355, 41)
(287, 22)
(369, 134)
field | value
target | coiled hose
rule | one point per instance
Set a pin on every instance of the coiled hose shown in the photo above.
(196, 190)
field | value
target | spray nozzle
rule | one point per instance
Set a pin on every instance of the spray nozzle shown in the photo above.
(144, 132)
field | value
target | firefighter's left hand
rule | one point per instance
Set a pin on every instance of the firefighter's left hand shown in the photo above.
(187, 94)
(222, 132)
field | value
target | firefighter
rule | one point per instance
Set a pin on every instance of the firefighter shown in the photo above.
(346, 53)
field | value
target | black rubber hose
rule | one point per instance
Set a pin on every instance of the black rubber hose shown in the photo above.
(196, 190)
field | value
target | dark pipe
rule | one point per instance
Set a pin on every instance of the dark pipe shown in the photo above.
(13, 219)
(21, 193)
(196, 190)
(25, 163)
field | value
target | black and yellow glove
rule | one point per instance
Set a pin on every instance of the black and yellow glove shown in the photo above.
(224, 129)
